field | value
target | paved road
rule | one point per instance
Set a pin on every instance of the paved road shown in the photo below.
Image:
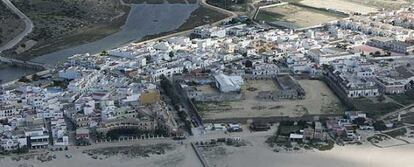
(28, 26)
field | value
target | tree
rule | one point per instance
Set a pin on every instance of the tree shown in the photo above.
(35, 77)
(248, 64)
(168, 87)
(185, 70)
(24, 79)
(379, 126)
(377, 53)
(171, 54)
(359, 121)
(286, 123)
(104, 53)
(388, 53)
(302, 123)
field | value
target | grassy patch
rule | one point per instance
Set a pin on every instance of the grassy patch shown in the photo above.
(408, 118)
(269, 16)
(287, 130)
(375, 109)
(406, 98)
(229, 5)
(396, 133)
(329, 145)
(377, 138)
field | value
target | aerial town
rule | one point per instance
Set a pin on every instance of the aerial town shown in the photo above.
(348, 81)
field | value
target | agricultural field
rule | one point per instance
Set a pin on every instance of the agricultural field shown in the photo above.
(292, 16)
(340, 5)
(319, 99)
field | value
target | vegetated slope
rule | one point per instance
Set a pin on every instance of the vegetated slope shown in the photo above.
(10, 24)
(63, 23)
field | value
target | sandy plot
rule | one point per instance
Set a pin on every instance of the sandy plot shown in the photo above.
(299, 16)
(319, 99)
(262, 85)
(207, 89)
(340, 5)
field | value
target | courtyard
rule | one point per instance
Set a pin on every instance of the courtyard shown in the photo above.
(319, 99)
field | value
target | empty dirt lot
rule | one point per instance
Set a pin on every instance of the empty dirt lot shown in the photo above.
(319, 100)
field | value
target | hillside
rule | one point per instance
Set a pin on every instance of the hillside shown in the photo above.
(10, 25)
(64, 23)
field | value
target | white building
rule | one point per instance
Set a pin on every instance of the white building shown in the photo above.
(228, 83)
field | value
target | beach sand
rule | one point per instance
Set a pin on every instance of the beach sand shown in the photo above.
(182, 155)
(255, 154)
(259, 155)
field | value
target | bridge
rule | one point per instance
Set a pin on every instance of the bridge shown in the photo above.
(22, 63)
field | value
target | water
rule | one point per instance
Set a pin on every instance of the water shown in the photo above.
(143, 20)
(8, 73)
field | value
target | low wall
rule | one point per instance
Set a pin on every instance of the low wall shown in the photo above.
(267, 6)
(199, 155)
(270, 119)
(274, 5)
(339, 92)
